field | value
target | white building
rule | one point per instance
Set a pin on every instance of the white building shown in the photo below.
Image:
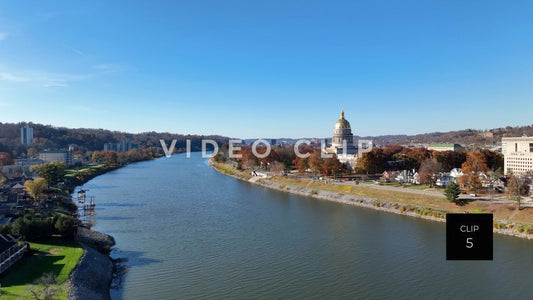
(56, 155)
(518, 154)
(342, 143)
(446, 147)
(26, 135)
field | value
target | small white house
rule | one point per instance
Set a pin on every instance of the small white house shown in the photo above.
(456, 172)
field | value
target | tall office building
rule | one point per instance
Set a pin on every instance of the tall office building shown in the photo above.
(26, 135)
(518, 154)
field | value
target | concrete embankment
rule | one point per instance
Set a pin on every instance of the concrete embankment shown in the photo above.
(94, 273)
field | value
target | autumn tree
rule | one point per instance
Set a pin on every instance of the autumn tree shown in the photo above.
(285, 155)
(516, 188)
(450, 159)
(374, 161)
(36, 187)
(493, 159)
(331, 166)
(302, 164)
(428, 171)
(315, 161)
(110, 157)
(52, 172)
(6, 159)
(248, 159)
(122, 157)
(33, 152)
(474, 165)
(410, 158)
(277, 167)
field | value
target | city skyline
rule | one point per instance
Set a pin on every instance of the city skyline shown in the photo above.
(271, 70)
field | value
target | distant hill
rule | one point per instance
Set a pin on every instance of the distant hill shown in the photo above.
(464, 137)
(50, 137)
(84, 139)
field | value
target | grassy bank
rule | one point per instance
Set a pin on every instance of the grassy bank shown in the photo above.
(507, 217)
(77, 177)
(57, 257)
(368, 192)
(230, 170)
(501, 211)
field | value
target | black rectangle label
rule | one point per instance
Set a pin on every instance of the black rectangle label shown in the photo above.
(469, 237)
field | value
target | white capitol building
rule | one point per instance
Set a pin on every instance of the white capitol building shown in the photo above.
(342, 143)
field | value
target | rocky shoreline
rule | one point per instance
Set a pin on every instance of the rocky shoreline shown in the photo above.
(92, 277)
(376, 204)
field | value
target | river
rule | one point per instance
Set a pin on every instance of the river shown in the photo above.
(186, 231)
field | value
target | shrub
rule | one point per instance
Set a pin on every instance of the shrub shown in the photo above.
(529, 230)
(34, 229)
(66, 226)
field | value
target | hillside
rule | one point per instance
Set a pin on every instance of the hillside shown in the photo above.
(83, 139)
(463, 137)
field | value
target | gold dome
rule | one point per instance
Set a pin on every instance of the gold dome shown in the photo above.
(342, 123)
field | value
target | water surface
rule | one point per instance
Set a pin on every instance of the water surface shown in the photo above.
(188, 231)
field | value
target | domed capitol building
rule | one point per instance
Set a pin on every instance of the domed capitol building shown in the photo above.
(342, 143)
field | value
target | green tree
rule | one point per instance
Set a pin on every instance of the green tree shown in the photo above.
(66, 226)
(53, 172)
(452, 193)
(96, 156)
(36, 187)
(34, 229)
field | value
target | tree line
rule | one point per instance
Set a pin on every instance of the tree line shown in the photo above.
(84, 139)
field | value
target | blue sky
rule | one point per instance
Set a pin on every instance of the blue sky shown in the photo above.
(255, 69)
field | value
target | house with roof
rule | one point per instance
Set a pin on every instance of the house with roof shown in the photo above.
(445, 179)
(10, 251)
(18, 189)
(456, 172)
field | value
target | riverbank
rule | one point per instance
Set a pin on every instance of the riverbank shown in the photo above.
(399, 202)
(92, 277)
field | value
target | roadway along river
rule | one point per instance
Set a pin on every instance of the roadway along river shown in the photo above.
(189, 232)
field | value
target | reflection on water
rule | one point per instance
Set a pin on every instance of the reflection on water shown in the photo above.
(185, 231)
